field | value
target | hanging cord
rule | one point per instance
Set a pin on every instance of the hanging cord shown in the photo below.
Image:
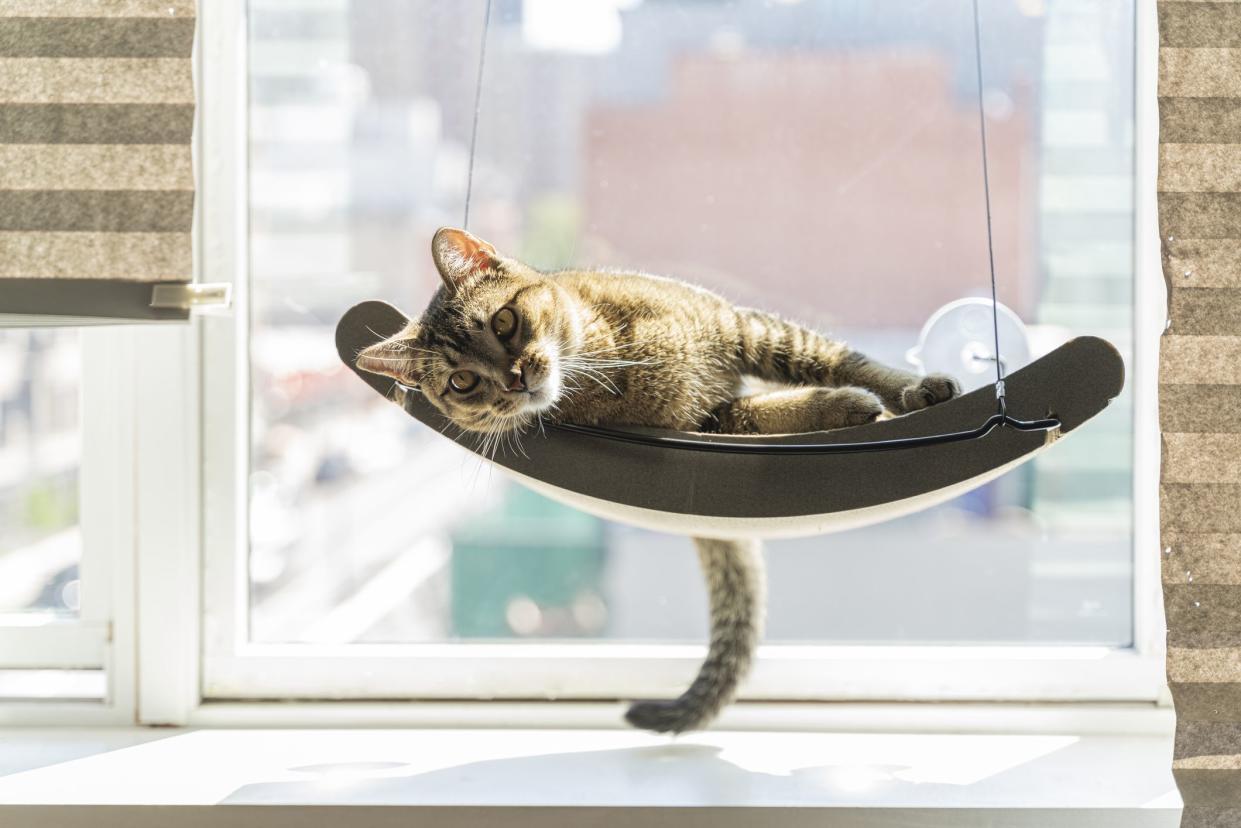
(478, 105)
(986, 194)
(997, 420)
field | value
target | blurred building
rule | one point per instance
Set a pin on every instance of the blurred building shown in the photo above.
(849, 184)
(1086, 255)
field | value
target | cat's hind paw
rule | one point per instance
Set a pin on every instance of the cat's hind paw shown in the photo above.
(930, 390)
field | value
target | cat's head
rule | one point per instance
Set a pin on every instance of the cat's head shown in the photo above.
(487, 352)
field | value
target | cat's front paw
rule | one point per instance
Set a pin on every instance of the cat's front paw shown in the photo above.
(848, 407)
(930, 390)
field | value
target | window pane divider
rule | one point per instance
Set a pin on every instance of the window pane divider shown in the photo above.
(595, 671)
(1123, 719)
(68, 645)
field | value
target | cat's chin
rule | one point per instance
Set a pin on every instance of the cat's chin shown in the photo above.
(538, 402)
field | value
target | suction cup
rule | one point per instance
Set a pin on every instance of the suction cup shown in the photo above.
(959, 340)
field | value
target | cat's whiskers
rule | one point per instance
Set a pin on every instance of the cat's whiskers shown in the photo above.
(396, 394)
(592, 378)
(376, 333)
(608, 350)
(587, 371)
(496, 432)
(611, 350)
(490, 435)
(515, 435)
(611, 361)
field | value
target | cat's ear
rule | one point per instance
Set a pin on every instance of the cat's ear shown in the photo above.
(391, 358)
(460, 257)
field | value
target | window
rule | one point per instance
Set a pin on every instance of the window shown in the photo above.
(219, 510)
(817, 158)
(52, 612)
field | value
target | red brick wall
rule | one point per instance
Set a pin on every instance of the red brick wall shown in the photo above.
(844, 189)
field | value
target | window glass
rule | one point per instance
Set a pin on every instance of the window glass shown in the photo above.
(40, 456)
(817, 158)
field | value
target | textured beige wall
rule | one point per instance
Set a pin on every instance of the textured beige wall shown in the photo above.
(1200, 397)
(96, 113)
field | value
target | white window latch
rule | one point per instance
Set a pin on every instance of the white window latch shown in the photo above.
(192, 296)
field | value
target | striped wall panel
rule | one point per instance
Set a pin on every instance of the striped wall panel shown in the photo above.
(1200, 395)
(96, 180)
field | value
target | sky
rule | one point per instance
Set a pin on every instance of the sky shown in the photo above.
(582, 26)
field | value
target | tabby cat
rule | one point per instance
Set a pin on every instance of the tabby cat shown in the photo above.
(503, 346)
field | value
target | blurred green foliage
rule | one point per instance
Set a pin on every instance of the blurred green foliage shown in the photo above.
(51, 505)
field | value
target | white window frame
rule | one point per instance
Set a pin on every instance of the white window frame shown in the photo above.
(85, 643)
(134, 505)
(80, 643)
(166, 415)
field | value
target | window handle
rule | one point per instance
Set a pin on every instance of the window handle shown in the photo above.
(193, 296)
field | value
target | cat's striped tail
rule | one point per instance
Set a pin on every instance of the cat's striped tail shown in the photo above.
(735, 591)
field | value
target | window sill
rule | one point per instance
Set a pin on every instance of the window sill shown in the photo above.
(453, 777)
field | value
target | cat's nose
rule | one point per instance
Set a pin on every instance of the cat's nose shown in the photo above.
(518, 378)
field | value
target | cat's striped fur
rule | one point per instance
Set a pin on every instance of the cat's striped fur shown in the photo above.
(503, 346)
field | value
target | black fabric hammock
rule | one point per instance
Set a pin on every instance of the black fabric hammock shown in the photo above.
(710, 483)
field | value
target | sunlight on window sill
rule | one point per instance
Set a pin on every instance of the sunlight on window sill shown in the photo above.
(1077, 776)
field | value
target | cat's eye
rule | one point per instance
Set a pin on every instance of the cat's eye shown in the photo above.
(463, 381)
(504, 323)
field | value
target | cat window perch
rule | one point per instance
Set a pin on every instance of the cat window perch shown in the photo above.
(736, 486)
(713, 485)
